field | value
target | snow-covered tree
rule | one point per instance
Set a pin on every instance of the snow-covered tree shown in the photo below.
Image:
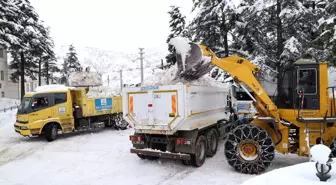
(70, 64)
(326, 38)
(177, 25)
(25, 37)
(212, 26)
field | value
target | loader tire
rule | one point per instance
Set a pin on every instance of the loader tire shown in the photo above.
(198, 158)
(51, 132)
(212, 142)
(249, 149)
(333, 149)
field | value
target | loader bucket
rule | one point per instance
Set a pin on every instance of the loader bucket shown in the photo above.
(192, 65)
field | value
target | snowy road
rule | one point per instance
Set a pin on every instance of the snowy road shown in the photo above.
(103, 158)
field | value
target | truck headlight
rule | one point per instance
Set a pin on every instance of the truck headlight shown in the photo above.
(24, 128)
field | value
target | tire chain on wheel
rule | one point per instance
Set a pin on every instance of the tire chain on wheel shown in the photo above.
(265, 149)
(333, 149)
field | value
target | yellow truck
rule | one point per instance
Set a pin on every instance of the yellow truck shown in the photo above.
(67, 109)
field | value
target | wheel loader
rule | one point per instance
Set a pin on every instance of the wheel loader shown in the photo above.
(303, 115)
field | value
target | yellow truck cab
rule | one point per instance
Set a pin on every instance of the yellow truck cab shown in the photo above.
(67, 110)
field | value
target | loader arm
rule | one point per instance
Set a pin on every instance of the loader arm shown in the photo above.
(242, 71)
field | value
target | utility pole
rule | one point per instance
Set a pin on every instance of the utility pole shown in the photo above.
(108, 80)
(121, 79)
(141, 64)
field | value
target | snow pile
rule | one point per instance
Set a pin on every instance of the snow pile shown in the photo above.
(84, 79)
(304, 173)
(167, 77)
(320, 153)
(102, 91)
(53, 87)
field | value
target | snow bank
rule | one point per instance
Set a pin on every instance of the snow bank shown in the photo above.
(53, 87)
(102, 91)
(83, 78)
(166, 77)
(304, 173)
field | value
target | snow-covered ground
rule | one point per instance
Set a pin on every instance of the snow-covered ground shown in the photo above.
(300, 174)
(103, 158)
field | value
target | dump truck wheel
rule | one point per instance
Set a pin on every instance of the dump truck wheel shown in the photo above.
(52, 132)
(198, 158)
(120, 122)
(212, 142)
(249, 149)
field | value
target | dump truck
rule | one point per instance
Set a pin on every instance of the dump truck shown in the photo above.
(182, 121)
(302, 115)
(66, 109)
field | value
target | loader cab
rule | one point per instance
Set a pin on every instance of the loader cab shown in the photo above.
(299, 87)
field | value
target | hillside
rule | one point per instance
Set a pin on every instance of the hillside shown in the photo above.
(109, 63)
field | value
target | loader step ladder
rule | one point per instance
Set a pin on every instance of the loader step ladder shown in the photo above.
(308, 131)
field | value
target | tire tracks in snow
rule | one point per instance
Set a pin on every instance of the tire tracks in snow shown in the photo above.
(177, 175)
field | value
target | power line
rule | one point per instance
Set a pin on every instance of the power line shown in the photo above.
(141, 64)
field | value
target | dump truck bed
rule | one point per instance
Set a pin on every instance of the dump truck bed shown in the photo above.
(94, 106)
(166, 109)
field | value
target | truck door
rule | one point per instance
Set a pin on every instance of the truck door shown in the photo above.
(40, 110)
(62, 110)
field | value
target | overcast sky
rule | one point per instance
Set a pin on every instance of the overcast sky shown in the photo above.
(123, 25)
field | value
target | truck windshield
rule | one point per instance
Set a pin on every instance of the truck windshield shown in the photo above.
(24, 105)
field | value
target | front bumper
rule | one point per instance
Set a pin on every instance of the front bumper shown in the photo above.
(156, 153)
(23, 129)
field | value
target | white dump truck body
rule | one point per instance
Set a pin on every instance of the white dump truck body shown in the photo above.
(167, 109)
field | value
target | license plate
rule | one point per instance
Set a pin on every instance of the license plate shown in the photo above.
(138, 142)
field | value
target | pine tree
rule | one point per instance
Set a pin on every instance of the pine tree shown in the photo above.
(326, 38)
(70, 64)
(21, 31)
(212, 26)
(178, 28)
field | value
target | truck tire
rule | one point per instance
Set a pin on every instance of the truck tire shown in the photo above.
(249, 149)
(212, 142)
(198, 158)
(51, 132)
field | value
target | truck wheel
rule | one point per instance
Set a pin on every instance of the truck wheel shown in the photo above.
(249, 149)
(212, 142)
(120, 122)
(198, 158)
(52, 132)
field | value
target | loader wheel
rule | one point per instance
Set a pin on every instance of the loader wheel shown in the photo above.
(198, 158)
(333, 149)
(249, 149)
(51, 132)
(212, 142)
